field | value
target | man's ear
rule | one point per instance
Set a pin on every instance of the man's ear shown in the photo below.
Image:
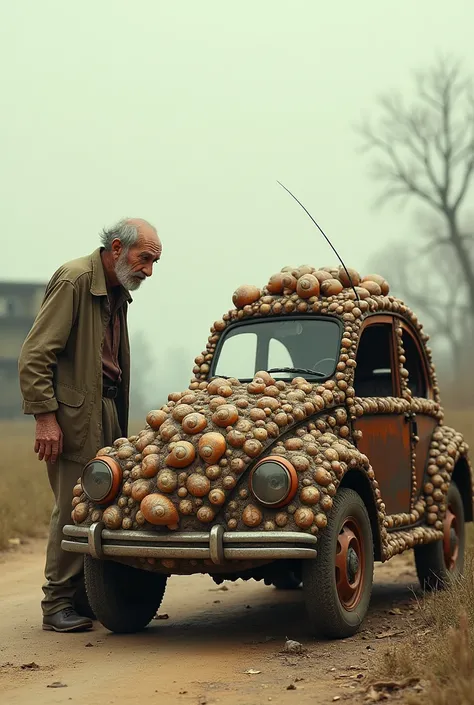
(116, 248)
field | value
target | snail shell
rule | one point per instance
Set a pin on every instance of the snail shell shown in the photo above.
(322, 276)
(345, 281)
(276, 284)
(150, 465)
(383, 284)
(252, 447)
(182, 455)
(180, 411)
(198, 485)
(372, 287)
(251, 516)
(322, 477)
(245, 295)
(225, 415)
(267, 378)
(146, 439)
(186, 507)
(112, 517)
(80, 512)
(289, 281)
(167, 431)
(194, 423)
(159, 510)
(125, 452)
(205, 514)
(257, 386)
(156, 418)
(310, 495)
(212, 447)
(304, 517)
(331, 287)
(217, 497)
(307, 286)
(140, 489)
(167, 481)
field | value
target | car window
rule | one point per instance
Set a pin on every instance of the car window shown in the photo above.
(309, 343)
(414, 365)
(374, 374)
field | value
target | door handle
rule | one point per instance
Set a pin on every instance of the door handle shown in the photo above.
(410, 417)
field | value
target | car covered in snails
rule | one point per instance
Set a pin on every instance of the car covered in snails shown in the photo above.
(309, 444)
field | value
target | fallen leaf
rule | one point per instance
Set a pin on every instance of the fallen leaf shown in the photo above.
(396, 610)
(89, 644)
(291, 687)
(30, 666)
(57, 684)
(252, 672)
(161, 616)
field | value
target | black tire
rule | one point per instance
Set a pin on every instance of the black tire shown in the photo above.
(432, 566)
(124, 599)
(330, 613)
(288, 580)
(81, 603)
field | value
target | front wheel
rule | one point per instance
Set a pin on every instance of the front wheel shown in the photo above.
(124, 599)
(337, 584)
(437, 562)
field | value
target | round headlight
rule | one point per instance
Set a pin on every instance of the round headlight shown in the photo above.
(101, 479)
(274, 481)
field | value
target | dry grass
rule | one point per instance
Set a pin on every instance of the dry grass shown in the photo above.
(27, 497)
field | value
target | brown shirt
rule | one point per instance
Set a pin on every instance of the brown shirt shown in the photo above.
(110, 351)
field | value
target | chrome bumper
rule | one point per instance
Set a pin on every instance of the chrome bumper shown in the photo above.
(216, 545)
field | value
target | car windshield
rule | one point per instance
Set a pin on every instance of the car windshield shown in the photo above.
(296, 347)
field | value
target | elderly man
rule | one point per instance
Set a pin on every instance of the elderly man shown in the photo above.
(74, 376)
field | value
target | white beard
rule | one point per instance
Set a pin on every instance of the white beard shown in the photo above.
(127, 278)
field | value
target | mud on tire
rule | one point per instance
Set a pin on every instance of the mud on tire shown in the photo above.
(337, 584)
(124, 599)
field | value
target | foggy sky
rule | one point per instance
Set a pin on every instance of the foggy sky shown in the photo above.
(186, 113)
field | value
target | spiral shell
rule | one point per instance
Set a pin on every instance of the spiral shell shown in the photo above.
(194, 423)
(310, 495)
(276, 283)
(252, 516)
(205, 514)
(212, 447)
(354, 277)
(225, 415)
(167, 481)
(383, 284)
(159, 510)
(307, 286)
(372, 287)
(217, 497)
(331, 287)
(198, 485)
(181, 411)
(303, 517)
(80, 512)
(253, 447)
(145, 440)
(245, 295)
(322, 477)
(156, 418)
(150, 465)
(140, 488)
(182, 455)
(112, 517)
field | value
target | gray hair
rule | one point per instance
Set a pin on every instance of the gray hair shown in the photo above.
(124, 230)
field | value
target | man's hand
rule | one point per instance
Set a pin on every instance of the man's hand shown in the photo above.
(49, 437)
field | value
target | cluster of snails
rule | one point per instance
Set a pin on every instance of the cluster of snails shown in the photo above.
(190, 459)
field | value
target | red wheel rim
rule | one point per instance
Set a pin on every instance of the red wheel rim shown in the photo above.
(350, 564)
(450, 539)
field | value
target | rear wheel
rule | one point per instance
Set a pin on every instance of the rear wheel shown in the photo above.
(337, 584)
(437, 562)
(124, 599)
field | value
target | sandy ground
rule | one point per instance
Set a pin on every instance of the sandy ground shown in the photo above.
(201, 652)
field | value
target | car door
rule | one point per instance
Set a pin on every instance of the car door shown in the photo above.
(386, 434)
(423, 423)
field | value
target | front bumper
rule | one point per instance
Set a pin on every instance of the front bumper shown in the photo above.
(216, 545)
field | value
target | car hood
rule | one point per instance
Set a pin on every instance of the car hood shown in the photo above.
(189, 467)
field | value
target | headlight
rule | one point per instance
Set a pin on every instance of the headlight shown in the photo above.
(101, 479)
(274, 481)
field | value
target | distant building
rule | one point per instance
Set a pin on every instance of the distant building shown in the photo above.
(19, 304)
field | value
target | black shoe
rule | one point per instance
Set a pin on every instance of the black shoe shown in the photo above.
(66, 620)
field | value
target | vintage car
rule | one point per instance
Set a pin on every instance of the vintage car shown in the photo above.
(309, 444)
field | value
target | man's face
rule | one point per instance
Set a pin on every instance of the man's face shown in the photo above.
(134, 265)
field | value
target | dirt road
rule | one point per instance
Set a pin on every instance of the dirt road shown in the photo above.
(200, 654)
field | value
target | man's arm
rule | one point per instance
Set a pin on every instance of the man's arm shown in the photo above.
(38, 358)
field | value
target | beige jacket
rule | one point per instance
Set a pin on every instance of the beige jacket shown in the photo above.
(60, 364)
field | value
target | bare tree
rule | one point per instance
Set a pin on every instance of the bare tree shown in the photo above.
(426, 154)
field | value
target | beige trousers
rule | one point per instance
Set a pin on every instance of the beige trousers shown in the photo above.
(64, 571)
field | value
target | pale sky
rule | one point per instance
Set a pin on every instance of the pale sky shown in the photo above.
(186, 113)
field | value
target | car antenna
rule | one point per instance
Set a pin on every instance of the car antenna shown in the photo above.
(324, 234)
